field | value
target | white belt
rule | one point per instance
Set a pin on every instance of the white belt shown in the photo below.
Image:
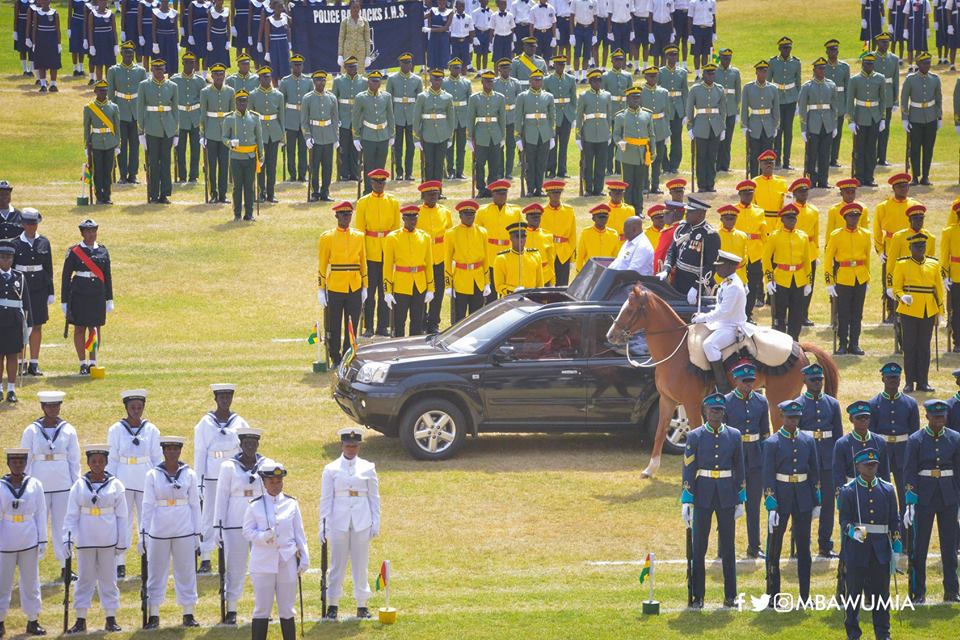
(178, 502)
(674, 94)
(461, 103)
(618, 98)
(786, 87)
(485, 119)
(349, 494)
(17, 517)
(510, 107)
(161, 108)
(405, 100)
(731, 91)
(561, 100)
(707, 111)
(246, 493)
(291, 105)
(792, 477)
(758, 112)
(266, 118)
(936, 473)
(321, 123)
(12, 304)
(125, 96)
(656, 116)
(188, 107)
(345, 101)
(223, 453)
(593, 116)
(888, 80)
(29, 267)
(818, 434)
(433, 116)
(841, 89)
(134, 460)
(750, 437)
(49, 457)
(716, 473)
(819, 107)
(922, 105)
(866, 103)
(874, 528)
(217, 114)
(96, 511)
(103, 130)
(536, 116)
(903, 437)
(374, 125)
(84, 274)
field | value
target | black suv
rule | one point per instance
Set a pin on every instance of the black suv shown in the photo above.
(534, 361)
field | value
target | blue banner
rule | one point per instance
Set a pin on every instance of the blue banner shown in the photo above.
(394, 29)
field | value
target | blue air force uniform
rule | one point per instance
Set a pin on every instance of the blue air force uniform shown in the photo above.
(750, 415)
(846, 450)
(713, 483)
(953, 406)
(792, 489)
(894, 419)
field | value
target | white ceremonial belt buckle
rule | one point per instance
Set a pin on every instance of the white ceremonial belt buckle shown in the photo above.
(27, 268)
(461, 103)
(84, 274)
(921, 105)
(374, 125)
(698, 112)
(792, 477)
(134, 460)
(216, 114)
(536, 116)
(895, 439)
(936, 473)
(750, 437)
(189, 107)
(874, 528)
(344, 101)
(888, 80)
(290, 105)
(561, 100)
(592, 116)
(159, 108)
(51, 457)
(125, 96)
(267, 118)
(714, 473)
(103, 131)
(818, 107)
(758, 112)
(730, 91)
(15, 517)
(321, 123)
(434, 116)
(674, 94)
(786, 87)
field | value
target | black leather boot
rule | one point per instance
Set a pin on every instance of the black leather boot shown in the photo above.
(112, 625)
(153, 622)
(80, 626)
(230, 618)
(189, 620)
(720, 376)
(258, 628)
(288, 629)
(363, 613)
(331, 613)
(121, 571)
(34, 628)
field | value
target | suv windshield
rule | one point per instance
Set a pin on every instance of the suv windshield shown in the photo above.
(478, 329)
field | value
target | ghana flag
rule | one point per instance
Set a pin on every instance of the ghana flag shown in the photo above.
(92, 341)
(383, 577)
(352, 351)
(646, 569)
(312, 338)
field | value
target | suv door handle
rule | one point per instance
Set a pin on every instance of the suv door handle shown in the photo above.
(570, 372)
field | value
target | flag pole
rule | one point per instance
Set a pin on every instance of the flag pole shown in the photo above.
(651, 577)
(386, 595)
(650, 607)
(387, 615)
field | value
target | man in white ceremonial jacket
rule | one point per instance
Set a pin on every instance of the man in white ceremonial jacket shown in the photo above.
(96, 526)
(237, 486)
(728, 317)
(54, 460)
(134, 443)
(214, 440)
(273, 526)
(349, 519)
(23, 539)
(171, 528)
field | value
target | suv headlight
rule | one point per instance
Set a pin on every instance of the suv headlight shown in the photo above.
(373, 373)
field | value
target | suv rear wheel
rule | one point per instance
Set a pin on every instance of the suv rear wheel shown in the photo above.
(676, 431)
(433, 429)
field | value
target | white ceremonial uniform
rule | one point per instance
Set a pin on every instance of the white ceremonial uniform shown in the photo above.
(543, 16)
(133, 452)
(636, 255)
(702, 12)
(521, 11)
(350, 509)
(462, 26)
(97, 526)
(23, 542)
(584, 11)
(171, 521)
(278, 549)
(237, 486)
(213, 442)
(502, 25)
(54, 460)
(727, 318)
(662, 10)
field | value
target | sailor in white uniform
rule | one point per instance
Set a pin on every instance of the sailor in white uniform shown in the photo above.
(727, 318)
(54, 460)
(237, 486)
(171, 527)
(23, 539)
(96, 526)
(214, 440)
(349, 519)
(135, 445)
(273, 526)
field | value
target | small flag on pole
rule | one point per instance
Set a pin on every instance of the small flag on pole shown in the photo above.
(352, 351)
(646, 569)
(314, 334)
(92, 342)
(87, 176)
(383, 577)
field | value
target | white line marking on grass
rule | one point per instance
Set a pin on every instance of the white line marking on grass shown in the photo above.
(711, 561)
(288, 339)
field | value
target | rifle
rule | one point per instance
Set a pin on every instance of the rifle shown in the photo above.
(689, 547)
(906, 156)
(206, 179)
(90, 165)
(883, 292)
(833, 321)
(323, 569)
(176, 160)
(908, 547)
(423, 165)
(310, 173)
(950, 336)
(581, 174)
(144, 573)
(693, 165)
(853, 155)
(146, 169)
(326, 337)
(283, 150)
(360, 175)
(222, 571)
(746, 154)
(67, 579)
(936, 339)
(523, 168)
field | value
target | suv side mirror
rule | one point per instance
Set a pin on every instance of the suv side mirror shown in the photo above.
(504, 353)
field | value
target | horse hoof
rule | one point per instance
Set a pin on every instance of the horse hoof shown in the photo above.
(646, 474)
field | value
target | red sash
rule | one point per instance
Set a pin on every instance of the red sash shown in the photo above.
(88, 263)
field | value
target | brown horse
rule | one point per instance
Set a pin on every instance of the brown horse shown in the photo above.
(679, 384)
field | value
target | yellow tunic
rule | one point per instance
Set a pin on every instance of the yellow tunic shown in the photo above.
(618, 215)
(436, 221)
(653, 235)
(752, 222)
(922, 281)
(835, 220)
(950, 252)
(786, 258)
(542, 240)
(511, 271)
(891, 217)
(562, 223)
(900, 248)
(407, 262)
(769, 196)
(735, 242)
(466, 265)
(376, 216)
(495, 221)
(343, 260)
(847, 257)
(597, 244)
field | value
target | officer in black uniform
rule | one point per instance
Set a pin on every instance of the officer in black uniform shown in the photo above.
(14, 316)
(10, 226)
(86, 289)
(689, 261)
(894, 416)
(35, 261)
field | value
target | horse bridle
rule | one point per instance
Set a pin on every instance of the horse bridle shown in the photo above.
(639, 310)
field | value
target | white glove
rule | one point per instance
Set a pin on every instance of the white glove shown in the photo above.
(579, 143)
(69, 31)
(883, 258)
(859, 534)
(235, 142)
(692, 295)
(686, 512)
(336, 144)
(723, 135)
(690, 134)
(939, 124)
(852, 127)
(890, 293)
(890, 28)
(476, 42)
(339, 61)
(366, 62)
(259, 47)
(233, 31)
(906, 125)
(594, 39)
(691, 40)
(427, 299)
(118, 552)
(883, 123)
(323, 536)
(807, 290)
(833, 134)
(42, 550)
(663, 275)
(426, 29)
(651, 39)
(50, 300)
(816, 512)
(448, 292)
(573, 40)
(683, 122)
(209, 46)
(486, 290)
(156, 49)
(29, 43)
(698, 318)
(143, 140)
(773, 521)
(803, 135)
(950, 29)
(470, 145)
(553, 42)
(907, 299)
(310, 143)
(143, 41)
(363, 296)
(739, 511)
(191, 41)
(449, 143)
(93, 51)
(60, 50)
(771, 287)
(623, 145)
(203, 142)
(86, 45)
(249, 39)
(266, 56)
(303, 565)
(357, 145)
(116, 51)
(116, 151)
(863, 23)
(176, 141)
(418, 146)
(714, 38)
(63, 306)
(374, 532)
(519, 145)
(553, 143)
(632, 36)
(182, 32)
(906, 34)
(321, 297)
(518, 289)
(109, 306)
(908, 514)
(610, 36)
(832, 291)
(390, 300)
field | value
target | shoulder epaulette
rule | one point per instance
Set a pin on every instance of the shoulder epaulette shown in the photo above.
(903, 258)
(934, 260)
(646, 110)
(533, 250)
(504, 252)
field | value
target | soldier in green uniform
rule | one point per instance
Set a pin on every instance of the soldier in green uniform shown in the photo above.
(656, 100)
(243, 79)
(509, 87)
(728, 77)
(486, 132)
(706, 124)
(887, 66)
(459, 89)
(433, 118)
(527, 62)
(241, 130)
(320, 121)
(673, 78)
(536, 116)
(636, 138)
(759, 115)
(189, 86)
(866, 104)
(158, 118)
(293, 87)
(595, 111)
(346, 86)
(216, 103)
(123, 80)
(404, 86)
(817, 108)
(101, 124)
(838, 71)
(373, 126)
(563, 87)
(785, 75)
(616, 81)
(921, 100)
(270, 105)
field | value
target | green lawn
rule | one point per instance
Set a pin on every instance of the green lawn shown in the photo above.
(502, 541)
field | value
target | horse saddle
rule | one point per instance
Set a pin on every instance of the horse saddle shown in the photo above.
(767, 346)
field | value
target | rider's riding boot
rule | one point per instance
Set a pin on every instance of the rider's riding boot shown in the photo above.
(720, 376)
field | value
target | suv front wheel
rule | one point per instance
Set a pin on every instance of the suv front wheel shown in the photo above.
(433, 429)
(677, 429)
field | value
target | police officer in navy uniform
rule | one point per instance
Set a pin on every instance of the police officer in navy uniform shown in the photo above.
(849, 446)
(822, 419)
(792, 489)
(931, 470)
(10, 226)
(953, 405)
(869, 520)
(14, 316)
(695, 247)
(893, 417)
(34, 260)
(713, 483)
(748, 412)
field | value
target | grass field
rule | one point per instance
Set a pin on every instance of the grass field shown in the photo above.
(520, 536)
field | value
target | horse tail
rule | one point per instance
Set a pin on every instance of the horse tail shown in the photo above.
(831, 373)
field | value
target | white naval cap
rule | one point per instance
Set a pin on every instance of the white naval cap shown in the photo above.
(223, 386)
(91, 449)
(271, 469)
(133, 394)
(726, 256)
(175, 440)
(16, 452)
(249, 432)
(50, 397)
(350, 434)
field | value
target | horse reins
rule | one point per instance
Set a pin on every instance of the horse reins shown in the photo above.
(626, 336)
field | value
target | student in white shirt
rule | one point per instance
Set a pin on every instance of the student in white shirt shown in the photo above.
(461, 34)
(504, 26)
(584, 36)
(482, 33)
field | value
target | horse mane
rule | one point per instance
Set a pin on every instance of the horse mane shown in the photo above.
(659, 304)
